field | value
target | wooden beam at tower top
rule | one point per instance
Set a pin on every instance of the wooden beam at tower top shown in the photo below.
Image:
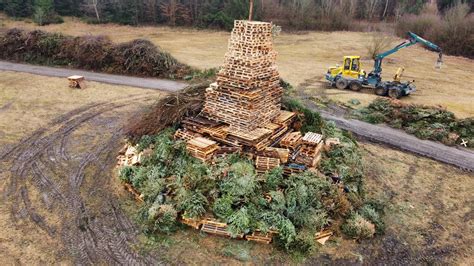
(251, 10)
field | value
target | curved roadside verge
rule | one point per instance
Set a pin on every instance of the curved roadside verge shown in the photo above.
(459, 157)
(146, 83)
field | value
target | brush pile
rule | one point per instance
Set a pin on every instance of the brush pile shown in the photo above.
(168, 111)
(98, 53)
(425, 122)
(230, 196)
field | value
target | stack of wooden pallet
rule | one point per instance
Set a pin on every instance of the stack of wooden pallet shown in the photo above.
(202, 148)
(247, 93)
(291, 140)
(309, 153)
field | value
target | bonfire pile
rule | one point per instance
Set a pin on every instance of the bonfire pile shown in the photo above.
(242, 115)
(242, 110)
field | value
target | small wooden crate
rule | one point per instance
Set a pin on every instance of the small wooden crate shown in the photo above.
(77, 82)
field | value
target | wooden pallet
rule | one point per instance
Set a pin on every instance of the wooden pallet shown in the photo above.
(266, 163)
(282, 153)
(214, 227)
(228, 150)
(323, 236)
(205, 126)
(291, 140)
(185, 135)
(284, 118)
(312, 138)
(309, 161)
(202, 148)
(311, 150)
(293, 169)
(260, 237)
(138, 197)
(194, 223)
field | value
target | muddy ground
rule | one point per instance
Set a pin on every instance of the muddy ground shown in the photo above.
(58, 196)
(60, 202)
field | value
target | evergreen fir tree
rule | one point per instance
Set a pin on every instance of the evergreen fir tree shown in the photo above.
(18, 8)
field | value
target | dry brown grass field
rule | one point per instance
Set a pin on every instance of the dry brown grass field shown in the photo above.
(303, 59)
(28, 103)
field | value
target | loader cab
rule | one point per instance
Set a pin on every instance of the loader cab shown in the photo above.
(351, 67)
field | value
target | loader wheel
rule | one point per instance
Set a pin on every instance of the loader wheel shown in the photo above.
(355, 86)
(381, 91)
(394, 93)
(341, 83)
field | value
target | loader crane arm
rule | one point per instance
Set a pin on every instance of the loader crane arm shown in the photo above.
(412, 40)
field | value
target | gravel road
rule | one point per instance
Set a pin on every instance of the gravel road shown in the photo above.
(147, 83)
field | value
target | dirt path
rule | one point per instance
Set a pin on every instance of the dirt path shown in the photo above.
(462, 158)
(51, 174)
(147, 83)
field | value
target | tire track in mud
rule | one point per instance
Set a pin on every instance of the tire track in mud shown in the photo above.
(90, 236)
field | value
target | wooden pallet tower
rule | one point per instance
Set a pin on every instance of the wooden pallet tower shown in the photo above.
(247, 93)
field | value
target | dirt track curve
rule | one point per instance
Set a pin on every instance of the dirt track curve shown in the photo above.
(459, 157)
(64, 170)
(147, 83)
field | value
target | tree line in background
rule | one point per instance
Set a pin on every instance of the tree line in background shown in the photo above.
(296, 14)
(448, 23)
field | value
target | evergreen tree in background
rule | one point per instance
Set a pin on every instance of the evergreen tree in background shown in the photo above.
(44, 12)
(68, 7)
(18, 8)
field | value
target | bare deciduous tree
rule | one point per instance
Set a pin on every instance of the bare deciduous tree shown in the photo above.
(371, 8)
(173, 10)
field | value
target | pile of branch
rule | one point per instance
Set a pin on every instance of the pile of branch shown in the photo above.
(98, 53)
(168, 111)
